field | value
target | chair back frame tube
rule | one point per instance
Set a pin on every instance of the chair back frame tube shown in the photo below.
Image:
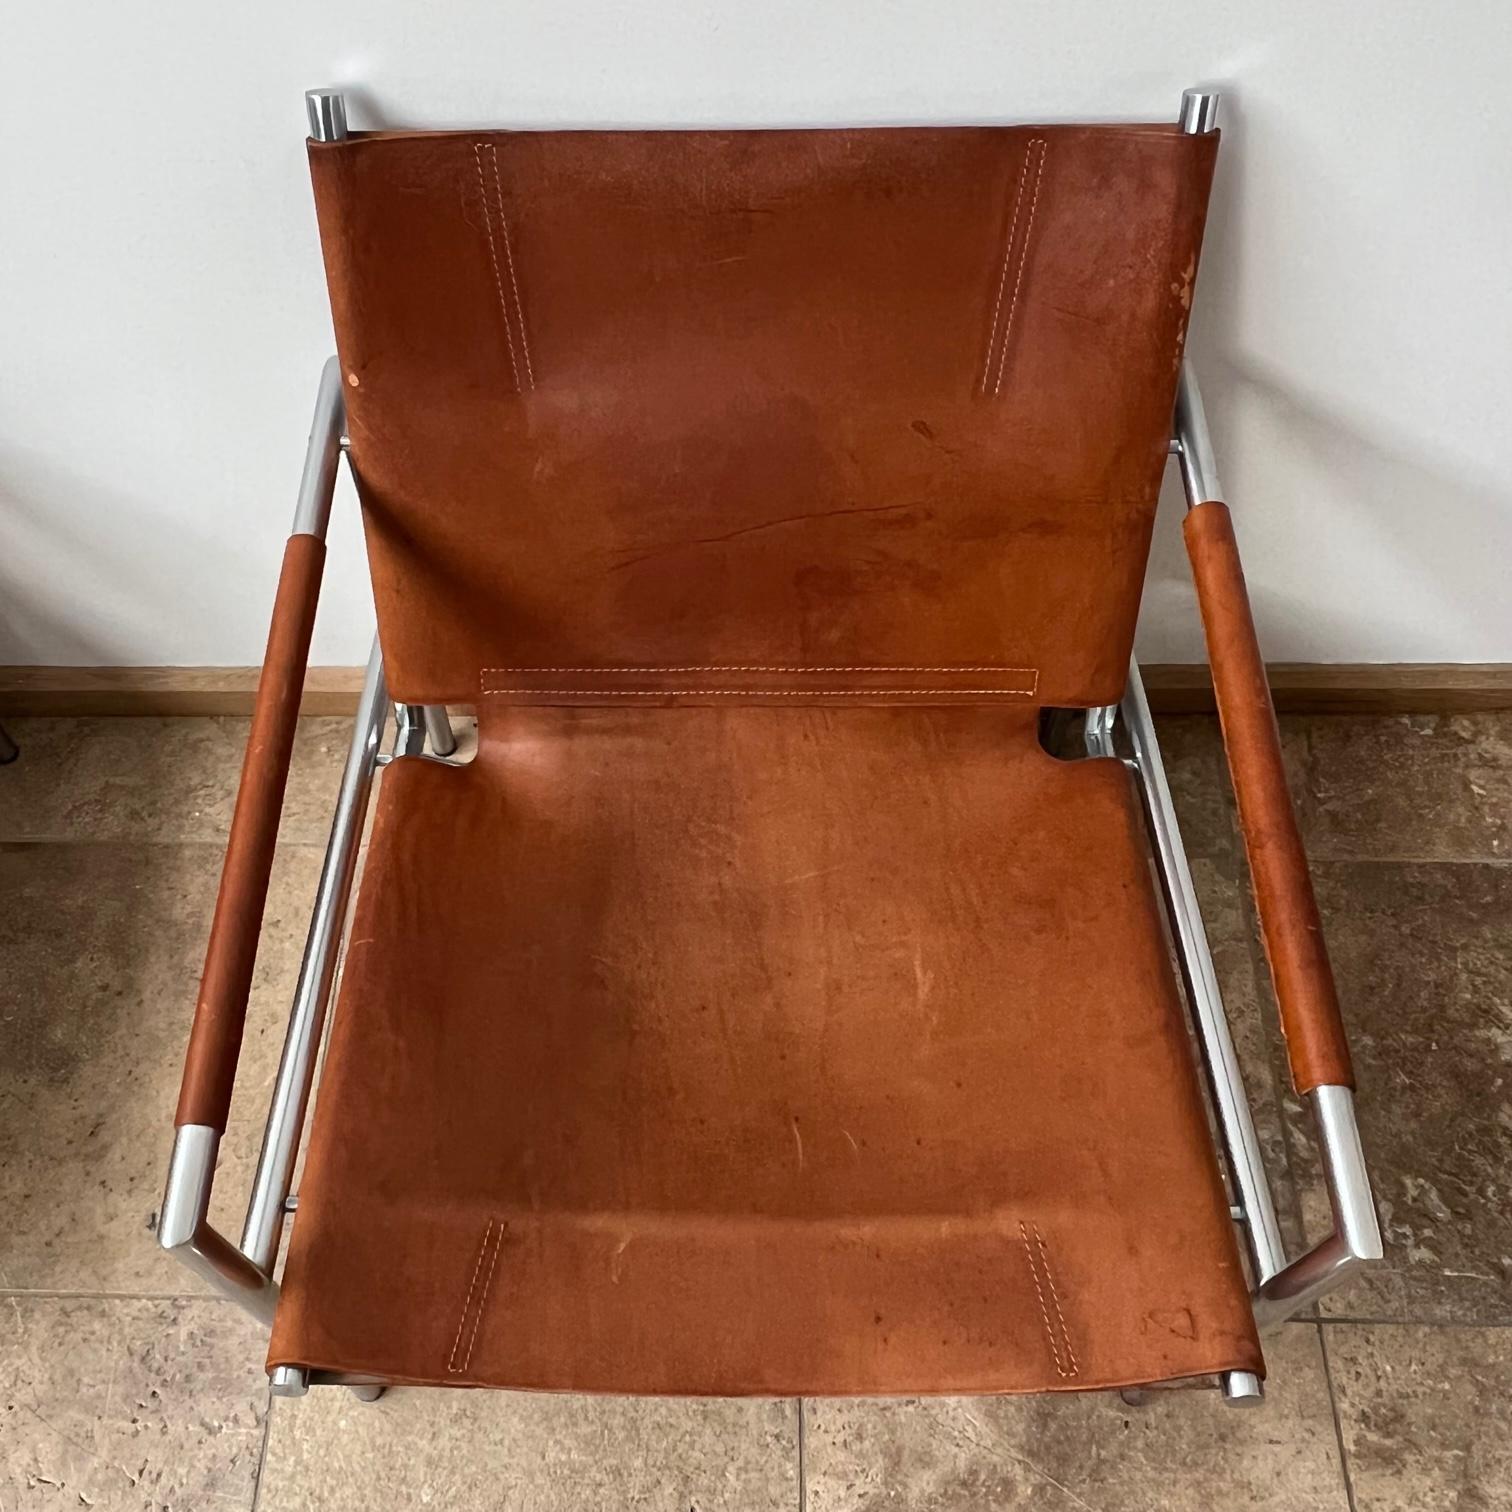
(326, 111)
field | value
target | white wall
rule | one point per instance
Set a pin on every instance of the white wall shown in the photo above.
(164, 315)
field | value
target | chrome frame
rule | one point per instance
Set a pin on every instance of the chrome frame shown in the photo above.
(245, 1273)
(1282, 1288)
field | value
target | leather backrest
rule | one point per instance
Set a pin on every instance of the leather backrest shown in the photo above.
(752, 401)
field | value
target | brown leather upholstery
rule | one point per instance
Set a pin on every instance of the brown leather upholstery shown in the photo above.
(1289, 920)
(221, 1011)
(755, 1049)
(763, 1010)
(774, 398)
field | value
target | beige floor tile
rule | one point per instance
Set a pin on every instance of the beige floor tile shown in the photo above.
(1419, 787)
(103, 946)
(474, 1450)
(156, 779)
(128, 1404)
(1423, 956)
(1184, 1449)
(1425, 1415)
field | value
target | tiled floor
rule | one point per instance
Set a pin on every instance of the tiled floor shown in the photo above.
(123, 1385)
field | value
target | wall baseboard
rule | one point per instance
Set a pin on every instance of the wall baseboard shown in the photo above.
(1174, 688)
(125, 691)
(1345, 687)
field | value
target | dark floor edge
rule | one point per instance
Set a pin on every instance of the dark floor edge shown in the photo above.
(1173, 688)
(1338, 1423)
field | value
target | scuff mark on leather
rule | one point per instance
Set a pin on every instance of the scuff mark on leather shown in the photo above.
(1174, 1320)
(730, 535)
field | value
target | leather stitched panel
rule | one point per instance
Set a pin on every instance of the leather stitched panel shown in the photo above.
(860, 397)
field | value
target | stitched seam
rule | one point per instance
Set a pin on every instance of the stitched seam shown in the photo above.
(1039, 168)
(483, 1299)
(519, 304)
(487, 670)
(760, 692)
(493, 257)
(1060, 1317)
(997, 308)
(451, 1363)
(1061, 1368)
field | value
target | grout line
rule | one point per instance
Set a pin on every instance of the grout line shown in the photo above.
(62, 1294)
(262, 1453)
(802, 1459)
(1333, 1407)
(1369, 1322)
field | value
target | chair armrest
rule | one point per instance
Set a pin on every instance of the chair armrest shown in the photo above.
(1315, 1041)
(220, 1013)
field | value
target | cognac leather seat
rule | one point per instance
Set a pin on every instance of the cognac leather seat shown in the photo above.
(799, 1047)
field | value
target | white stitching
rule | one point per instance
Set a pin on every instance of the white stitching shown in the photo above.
(493, 257)
(519, 304)
(451, 1363)
(1018, 281)
(1060, 1369)
(1050, 1335)
(653, 669)
(1039, 1239)
(1018, 204)
(483, 1299)
(759, 692)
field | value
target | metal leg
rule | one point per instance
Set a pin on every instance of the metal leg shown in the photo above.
(1242, 1388)
(438, 729)
(410, 738)
(422, 725)
(1097, 733)
(296, 1070)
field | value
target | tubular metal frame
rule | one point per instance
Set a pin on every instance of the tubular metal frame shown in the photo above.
(245, 1272)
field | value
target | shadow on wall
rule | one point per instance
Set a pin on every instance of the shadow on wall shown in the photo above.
(73, 596)
(29, 617)
(1362, 482)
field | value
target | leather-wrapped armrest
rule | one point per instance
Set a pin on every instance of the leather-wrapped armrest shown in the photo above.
(1289, 920)
(220, 1013)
